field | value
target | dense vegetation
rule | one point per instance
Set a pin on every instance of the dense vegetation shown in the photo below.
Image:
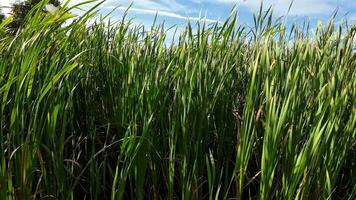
(100, 110)
(19, 11)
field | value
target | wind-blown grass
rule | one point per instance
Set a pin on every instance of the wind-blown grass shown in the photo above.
(109, 110)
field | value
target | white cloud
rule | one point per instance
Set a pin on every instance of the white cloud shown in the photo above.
(166, 14)
(161, 5)
(167, 8)
(164, 5)
(5, 5)
(148, 4)
(280, 7)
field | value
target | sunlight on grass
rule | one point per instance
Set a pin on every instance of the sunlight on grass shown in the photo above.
(106, 110)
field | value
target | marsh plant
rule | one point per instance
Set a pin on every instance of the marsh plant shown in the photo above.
(96, 109)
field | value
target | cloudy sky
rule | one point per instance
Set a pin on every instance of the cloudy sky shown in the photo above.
(176, 12)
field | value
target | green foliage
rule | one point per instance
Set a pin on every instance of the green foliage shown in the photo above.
(21, 8)
(2, 16)
(106, 110)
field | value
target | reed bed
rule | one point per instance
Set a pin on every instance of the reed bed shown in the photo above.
(95, 109)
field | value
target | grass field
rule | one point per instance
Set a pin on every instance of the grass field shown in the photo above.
(108, 110)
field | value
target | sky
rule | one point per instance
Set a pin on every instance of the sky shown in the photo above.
(176, 12)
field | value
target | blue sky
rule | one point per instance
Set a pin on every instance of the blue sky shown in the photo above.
(176, 12)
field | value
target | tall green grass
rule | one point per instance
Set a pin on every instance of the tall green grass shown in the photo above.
(106, 109)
